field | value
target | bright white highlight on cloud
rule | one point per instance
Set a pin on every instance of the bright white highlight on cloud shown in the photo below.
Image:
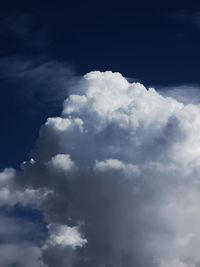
(61, 162)
(117, 177)
(66, 236)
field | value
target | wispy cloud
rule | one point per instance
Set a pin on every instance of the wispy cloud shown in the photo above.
(27, 34)
(37, 84)
(187, 94)
(188, 17)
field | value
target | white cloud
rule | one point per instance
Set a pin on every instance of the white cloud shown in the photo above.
(117, 165)
(61, 162)
(134, 194)
(66, 236)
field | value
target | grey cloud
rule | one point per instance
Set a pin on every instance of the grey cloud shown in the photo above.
(20, 255)
(21, 241)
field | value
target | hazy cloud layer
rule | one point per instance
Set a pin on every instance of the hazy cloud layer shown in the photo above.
(187, 94)
(117, 178)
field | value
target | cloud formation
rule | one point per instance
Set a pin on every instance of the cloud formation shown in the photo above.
(187, 94)
(116, 177)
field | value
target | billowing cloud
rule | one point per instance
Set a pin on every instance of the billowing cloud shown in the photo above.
(116, 177)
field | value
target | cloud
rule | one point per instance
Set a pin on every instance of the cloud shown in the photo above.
(116, 177)
(187, 94)
(11, 194)
(20, 255)
(33, 89)
(37, 84)
(24, 31)
(192, 17)
(21, 238)
(61, 162)
(65, 236)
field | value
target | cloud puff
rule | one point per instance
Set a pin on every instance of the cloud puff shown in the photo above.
(64, 235)
(61, 162)
(11, 194)
(120, 172)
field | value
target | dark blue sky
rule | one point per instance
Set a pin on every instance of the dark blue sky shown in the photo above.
(45, 45)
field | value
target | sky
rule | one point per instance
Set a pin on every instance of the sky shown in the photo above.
(99, 113)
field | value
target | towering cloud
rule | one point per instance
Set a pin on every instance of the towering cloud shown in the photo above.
(116, 177)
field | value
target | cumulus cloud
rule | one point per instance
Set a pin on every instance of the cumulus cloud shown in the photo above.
(116, 177)
(11, 194)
